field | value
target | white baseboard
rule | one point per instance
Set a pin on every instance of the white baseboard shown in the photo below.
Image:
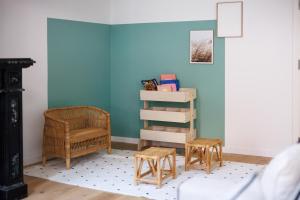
(125, 139)
(28, 160)
(250, 151)
(236, 150)
(226, 149)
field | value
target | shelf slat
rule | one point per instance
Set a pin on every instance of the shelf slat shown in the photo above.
(166, 116)
(178, 115)
(164, 136)
(183, 95)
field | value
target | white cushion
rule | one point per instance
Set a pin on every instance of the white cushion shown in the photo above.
(252, 190)
(296, 194)
(215, 189)
(282, 176)
(200, 188)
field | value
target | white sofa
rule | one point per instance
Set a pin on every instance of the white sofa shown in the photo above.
(280, 180)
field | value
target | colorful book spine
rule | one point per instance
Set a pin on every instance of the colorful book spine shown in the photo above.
(171, 82)
(167, 77)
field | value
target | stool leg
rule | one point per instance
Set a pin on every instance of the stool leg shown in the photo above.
(140, 168)
(199, 151)
(221, 155)
(158, 173)
(149, 165)
(217, 152)
(164, 162)
(186, 158)
(135, 170)
(202, 154)
(154, 165)
(190, 157)
(174, 165)
(208, 161)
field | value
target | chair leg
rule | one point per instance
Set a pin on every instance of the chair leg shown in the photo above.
(44, 160)
(68, 163)
(109, 145)
(44, 157)
(109, 148)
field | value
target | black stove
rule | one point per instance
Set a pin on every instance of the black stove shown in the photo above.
(12, 185)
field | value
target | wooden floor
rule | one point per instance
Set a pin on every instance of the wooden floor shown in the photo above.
(41, 189)
(48, 190)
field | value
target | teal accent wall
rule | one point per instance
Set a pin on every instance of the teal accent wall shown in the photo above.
(102, 65)
(144, 51)
(78, 64)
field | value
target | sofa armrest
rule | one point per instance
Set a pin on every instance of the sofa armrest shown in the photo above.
(99, 118)
(56, 126)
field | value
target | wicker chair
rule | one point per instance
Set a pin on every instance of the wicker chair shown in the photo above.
(75, 131)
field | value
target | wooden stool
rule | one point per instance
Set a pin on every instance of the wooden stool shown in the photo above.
(153, 157)
(204, 148)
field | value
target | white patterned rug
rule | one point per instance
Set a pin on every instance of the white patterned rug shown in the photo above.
(114, 173)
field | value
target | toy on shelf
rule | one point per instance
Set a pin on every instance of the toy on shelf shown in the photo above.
(166, 88)
(150, 84)
(173, 83)
(168, 83)
(169, 80)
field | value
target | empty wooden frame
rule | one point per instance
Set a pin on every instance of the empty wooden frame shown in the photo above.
(230, 19)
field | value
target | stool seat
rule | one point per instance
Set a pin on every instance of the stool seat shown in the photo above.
(205, 142)
(153, 156)
(204, 148)
(154, 152)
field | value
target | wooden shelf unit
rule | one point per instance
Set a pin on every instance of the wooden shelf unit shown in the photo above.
(168, 114)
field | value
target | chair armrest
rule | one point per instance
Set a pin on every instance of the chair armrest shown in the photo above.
(102, 111)
(55, 126)
(99, 117)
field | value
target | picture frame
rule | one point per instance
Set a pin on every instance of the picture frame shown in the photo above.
(201, 47)
(230, 19)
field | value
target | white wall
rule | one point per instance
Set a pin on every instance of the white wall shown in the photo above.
(296, 57)
(259, 73)
(258, 88)
(259, 80)
(141, 11)
(23, 33)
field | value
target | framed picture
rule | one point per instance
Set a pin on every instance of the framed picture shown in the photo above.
(230, 19)
(202, 47)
